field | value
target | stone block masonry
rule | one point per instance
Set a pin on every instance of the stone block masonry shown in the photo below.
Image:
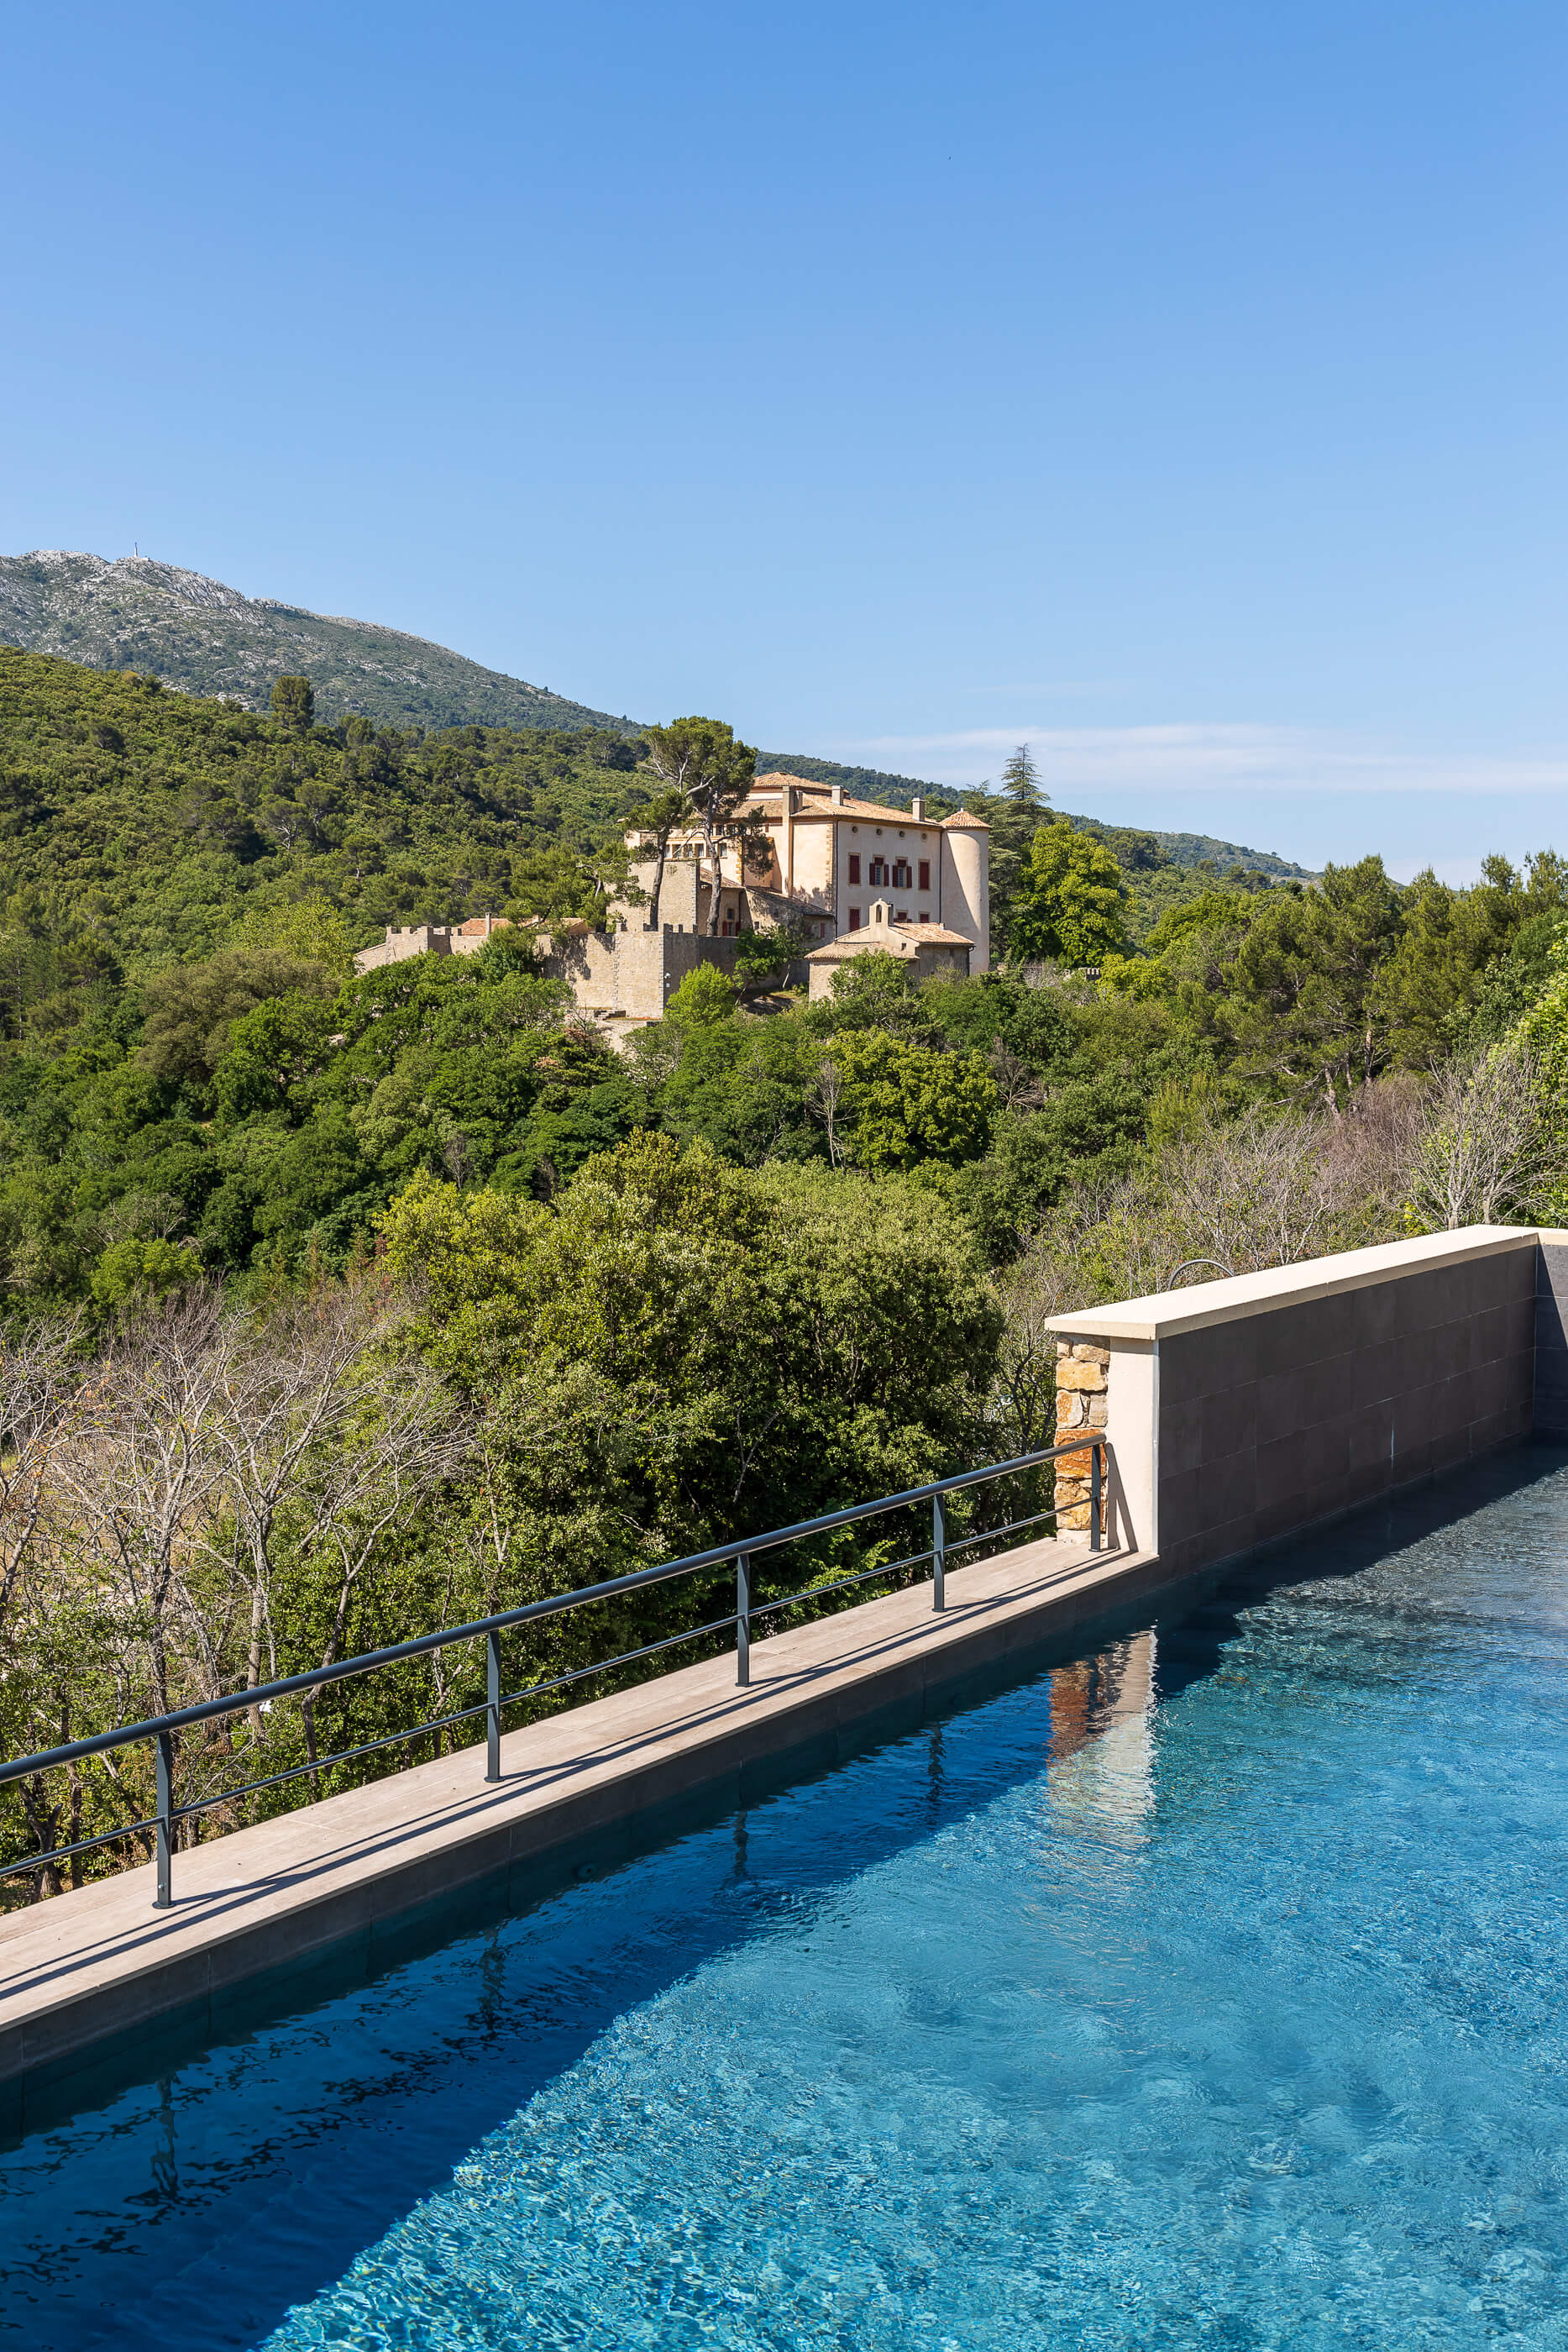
(631, 972)
(1082, 1402)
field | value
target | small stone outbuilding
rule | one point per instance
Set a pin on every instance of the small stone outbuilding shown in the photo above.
(930, 950)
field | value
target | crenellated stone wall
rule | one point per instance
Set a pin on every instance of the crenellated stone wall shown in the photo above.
(1082, 1402)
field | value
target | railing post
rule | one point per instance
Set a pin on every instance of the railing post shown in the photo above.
(1095, 1503)
(493, 1713)
(165, 1897)
(939, 1554)
(743, 1618)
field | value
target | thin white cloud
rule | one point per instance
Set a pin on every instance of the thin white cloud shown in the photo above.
(1064, 686)
(1191, 757)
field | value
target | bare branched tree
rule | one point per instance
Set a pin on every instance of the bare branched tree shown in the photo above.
(1484, 1144)
(403, 1440)
(41, 1378)
(1257, 1192)
(296, 1384)
(141, 1473)
(1020, 1088)
(1034, 1291)
(824, 1102)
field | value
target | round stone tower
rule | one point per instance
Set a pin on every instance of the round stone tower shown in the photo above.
(966, 884)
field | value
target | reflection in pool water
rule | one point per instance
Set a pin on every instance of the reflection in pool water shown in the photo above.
(1205, 1992)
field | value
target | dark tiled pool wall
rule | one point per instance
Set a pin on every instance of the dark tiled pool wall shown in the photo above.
(1276, 1420)
(1551, 1337)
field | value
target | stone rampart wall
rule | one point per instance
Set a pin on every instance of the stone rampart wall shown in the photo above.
(635, 972)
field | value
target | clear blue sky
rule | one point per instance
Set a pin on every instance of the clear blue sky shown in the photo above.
(1182, 387)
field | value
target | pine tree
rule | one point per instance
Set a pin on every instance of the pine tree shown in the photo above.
(1013, 816)
(1020, 782)
(710, 773)
(294, 704)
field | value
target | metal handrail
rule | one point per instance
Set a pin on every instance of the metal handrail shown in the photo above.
(1191, 1264)
(162, 1729)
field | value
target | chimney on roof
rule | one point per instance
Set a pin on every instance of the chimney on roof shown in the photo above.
(917, 809)
(837, 795)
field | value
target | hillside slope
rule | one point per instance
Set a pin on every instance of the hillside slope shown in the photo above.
(149, 825)
(203, 637)
(146, 825)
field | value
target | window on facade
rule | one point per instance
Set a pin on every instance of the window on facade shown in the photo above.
(878, 871)
(854, 919)
(855, 868)
(901, 873)
(926, 874)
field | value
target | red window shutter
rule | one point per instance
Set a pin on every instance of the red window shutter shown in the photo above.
(926, 874)
(854, 868)
(854, 919)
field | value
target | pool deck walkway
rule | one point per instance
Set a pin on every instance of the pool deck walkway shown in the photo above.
(352, 1877)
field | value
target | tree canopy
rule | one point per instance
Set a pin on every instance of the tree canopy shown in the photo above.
(1071, 900)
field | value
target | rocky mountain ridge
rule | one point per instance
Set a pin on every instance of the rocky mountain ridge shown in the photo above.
(203, 637)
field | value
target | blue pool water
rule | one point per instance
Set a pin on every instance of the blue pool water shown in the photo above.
(1206, 1992)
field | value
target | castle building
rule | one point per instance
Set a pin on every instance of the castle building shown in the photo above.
(829, 860)
(854, 875)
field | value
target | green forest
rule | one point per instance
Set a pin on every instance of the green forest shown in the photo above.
(442, 1301)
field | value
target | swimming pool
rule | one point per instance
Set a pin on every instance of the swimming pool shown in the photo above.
(1207, 1992)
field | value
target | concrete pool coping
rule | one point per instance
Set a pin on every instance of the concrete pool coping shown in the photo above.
(348, 1876)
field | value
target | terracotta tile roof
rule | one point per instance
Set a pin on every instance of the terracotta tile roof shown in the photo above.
(870, 808)
(899, 938)
(892, 937)
(822, 803)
